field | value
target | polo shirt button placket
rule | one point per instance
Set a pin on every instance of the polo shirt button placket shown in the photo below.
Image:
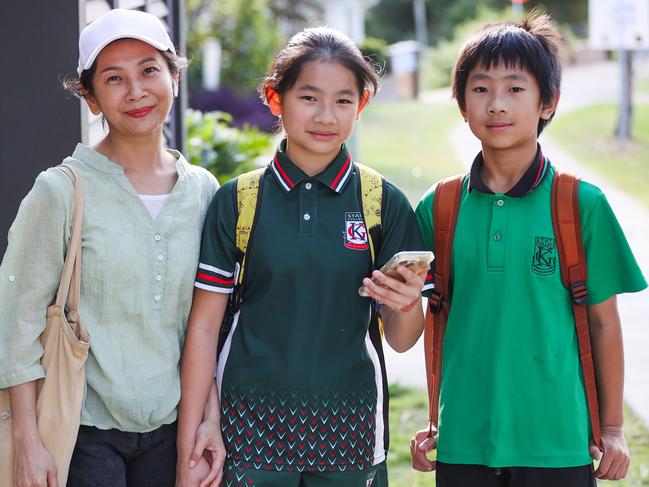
(495, 246)
(158, 275)
(308, 209)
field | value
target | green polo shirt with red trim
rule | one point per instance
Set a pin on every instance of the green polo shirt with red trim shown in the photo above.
(300, 379)
(512, 390)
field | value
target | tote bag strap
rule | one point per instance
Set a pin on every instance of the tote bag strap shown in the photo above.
(70, 285)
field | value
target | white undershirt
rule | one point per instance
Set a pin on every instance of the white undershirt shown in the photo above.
(154, 203)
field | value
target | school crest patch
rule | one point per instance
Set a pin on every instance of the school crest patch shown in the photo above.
(355, 234)
(544, 259)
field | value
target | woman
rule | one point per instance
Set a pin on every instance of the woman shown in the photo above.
(144, 210)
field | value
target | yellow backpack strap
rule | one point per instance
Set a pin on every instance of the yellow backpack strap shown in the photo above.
(372, 193)
(372, 201)
(249, 187)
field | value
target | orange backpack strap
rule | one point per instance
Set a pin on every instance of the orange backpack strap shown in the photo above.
(446, 207)
(572, 258)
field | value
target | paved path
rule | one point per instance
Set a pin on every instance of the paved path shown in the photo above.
(408, 368)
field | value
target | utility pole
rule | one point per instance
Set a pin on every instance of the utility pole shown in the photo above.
(624, 119)
(419, 10)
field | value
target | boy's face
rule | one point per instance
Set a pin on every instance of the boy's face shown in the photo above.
(503, 107)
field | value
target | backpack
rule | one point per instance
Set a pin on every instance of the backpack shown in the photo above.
(570, 247)
(248, 195)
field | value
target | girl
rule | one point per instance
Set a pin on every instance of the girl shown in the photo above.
(299, 378)
(144, 208)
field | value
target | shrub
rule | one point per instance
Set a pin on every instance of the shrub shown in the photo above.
(222, 149)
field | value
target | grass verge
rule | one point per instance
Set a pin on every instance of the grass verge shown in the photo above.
(588, 135)
(408, 413)
(409, 143)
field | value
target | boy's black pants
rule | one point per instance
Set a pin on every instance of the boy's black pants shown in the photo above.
(462, 475)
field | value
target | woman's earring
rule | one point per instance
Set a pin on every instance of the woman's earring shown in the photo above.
(174, 87)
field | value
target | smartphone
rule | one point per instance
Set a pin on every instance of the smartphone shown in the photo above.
(414, 260)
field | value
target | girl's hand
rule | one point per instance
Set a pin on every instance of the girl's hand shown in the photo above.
(33, 465)
(209, 446)
(192, 477)
(420, 445)
(399, 296)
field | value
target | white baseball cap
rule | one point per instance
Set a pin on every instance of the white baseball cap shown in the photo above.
(121, 23)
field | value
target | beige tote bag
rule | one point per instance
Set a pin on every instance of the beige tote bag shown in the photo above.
(65, 349)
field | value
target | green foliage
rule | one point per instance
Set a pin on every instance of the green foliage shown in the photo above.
(248, 34)
(437, 63)
(393, 20)
(224, 150)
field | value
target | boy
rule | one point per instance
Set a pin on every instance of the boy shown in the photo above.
(513, 407)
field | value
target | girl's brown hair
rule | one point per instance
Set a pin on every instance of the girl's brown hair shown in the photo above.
(321, 44)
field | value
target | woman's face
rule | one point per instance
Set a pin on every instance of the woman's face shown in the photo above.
(132, 87)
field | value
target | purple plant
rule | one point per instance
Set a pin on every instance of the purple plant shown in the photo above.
(245, 109)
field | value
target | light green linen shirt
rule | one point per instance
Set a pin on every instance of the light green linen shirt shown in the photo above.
(137, 277)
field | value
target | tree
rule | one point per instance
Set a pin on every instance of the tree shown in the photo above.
(393, 20)
(248, 34)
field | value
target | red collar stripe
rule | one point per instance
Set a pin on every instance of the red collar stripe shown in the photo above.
(342, 176)
(538, 174)
(281, 174)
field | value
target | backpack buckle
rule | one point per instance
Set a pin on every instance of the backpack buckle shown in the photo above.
(578, 292)
(435, 301)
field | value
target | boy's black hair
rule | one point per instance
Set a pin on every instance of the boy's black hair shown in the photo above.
(532, 45)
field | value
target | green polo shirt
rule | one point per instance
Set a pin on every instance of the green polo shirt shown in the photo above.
(512, 390)
(300, 380)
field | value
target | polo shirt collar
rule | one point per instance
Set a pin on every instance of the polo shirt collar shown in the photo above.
(100, 162)
(530, 179)
(288, 175)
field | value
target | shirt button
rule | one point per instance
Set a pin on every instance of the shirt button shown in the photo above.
(497, 237)
(500, 203)
(158, 277)
(12, 278)
(308, 186)
(156, 297)
(160, 257)
(157, 238)
(307, 217)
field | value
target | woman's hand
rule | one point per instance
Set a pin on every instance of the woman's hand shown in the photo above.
(33, 465)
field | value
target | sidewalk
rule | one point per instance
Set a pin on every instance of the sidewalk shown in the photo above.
(408, 368)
